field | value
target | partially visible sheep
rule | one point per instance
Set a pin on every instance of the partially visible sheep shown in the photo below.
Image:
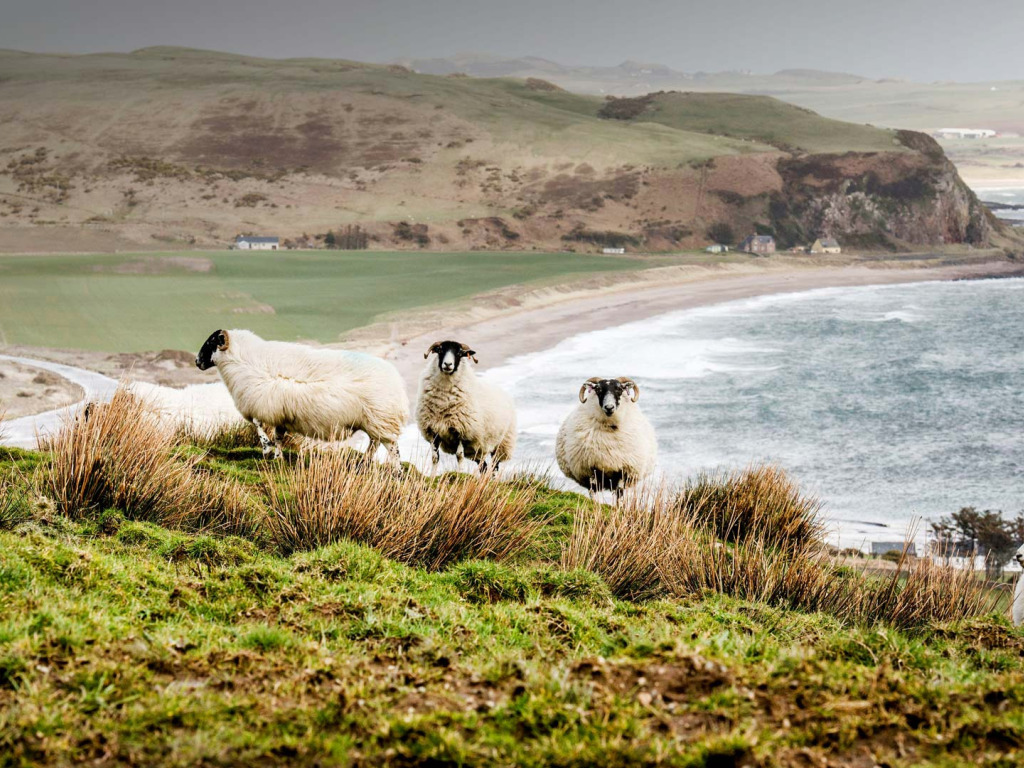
(461, 414)
(323, 393)
(1017, 607)
(606, 443)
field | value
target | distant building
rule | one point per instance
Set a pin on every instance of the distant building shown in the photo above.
(246, 243)
(964, 133)
(884, 547)
(825, 245)
(759, 244)
(613, 250)
(716, 248)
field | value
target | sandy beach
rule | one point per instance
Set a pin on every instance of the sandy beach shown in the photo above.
(544, 318)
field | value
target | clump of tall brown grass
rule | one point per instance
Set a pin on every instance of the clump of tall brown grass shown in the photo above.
(625, 544)
(760, 503)
(329, 496)
(119, 455)
(753, 536)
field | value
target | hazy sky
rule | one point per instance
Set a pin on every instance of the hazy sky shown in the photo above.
(918, 39)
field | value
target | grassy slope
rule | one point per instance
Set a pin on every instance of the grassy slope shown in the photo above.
(758, 119)
(79, 302)
(128, 642)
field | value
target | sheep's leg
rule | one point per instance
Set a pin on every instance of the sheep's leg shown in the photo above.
(394, 457)
(279, 434)
(371, 449)
(265, 441)
(435, 457)
(460, 455)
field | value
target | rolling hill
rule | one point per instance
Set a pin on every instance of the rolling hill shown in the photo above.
(169, 147)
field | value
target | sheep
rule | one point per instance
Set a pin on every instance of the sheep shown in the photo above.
(322, 393)
(606, 443)
(1017, 609)
(461, 414)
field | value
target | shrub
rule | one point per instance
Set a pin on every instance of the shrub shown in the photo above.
(329, 497)
(225, 437)
(721, 233)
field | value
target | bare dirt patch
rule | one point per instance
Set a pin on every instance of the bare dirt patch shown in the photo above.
(26, 390)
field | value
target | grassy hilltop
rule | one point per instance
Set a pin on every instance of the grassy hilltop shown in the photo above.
(181, 602)
(175, 147)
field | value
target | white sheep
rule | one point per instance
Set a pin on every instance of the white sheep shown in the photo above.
(606, 443)
(461, 414)
(1017, 607)
(323, 393)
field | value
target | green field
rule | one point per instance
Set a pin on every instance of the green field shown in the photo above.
(128, 639)
(141, 302)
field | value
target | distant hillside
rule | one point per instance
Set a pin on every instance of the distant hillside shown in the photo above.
(889, 102)
(176, 146)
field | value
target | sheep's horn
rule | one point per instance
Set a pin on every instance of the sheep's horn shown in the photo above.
(631, 385)
(227, 339)
(587, 385)
(433, 348)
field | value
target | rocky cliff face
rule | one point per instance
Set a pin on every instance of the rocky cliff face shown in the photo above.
(878, 199)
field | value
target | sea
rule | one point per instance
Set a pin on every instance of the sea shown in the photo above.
(896, 405)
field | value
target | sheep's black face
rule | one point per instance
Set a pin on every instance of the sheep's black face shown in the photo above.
(1019, 557)
(450, 355)
(608, 393)
(217, 340)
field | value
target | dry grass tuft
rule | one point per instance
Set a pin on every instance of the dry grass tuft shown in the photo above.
(14, 500)
(760, 503)
(753, 536)
(625, 544)
(921, 592)
(118, 455)
(329, 496)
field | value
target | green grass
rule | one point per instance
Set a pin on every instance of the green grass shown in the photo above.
(126, 642)
(341, 657)
(80, 302)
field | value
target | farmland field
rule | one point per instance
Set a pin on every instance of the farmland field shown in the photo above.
(139, 302)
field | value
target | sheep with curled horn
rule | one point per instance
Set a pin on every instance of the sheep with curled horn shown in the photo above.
(322, 393)
(606, 443)
(461, 414)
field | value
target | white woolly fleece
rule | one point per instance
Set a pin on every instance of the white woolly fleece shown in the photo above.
(323, 393)
(482, 414)
(588, 440)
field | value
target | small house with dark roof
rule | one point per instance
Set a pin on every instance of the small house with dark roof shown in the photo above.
(762, 245)
(825, 245)
(249, 243)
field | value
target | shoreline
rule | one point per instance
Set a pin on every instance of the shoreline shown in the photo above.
(511, 332)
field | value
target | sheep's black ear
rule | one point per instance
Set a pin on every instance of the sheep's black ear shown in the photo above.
(435, 347)
(472, 355)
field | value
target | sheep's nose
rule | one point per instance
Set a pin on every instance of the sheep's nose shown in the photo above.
(609, 410)
(447, 367)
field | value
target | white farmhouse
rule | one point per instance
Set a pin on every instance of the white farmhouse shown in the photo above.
(247, 243)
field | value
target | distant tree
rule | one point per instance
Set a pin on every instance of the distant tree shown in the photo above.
(330, 240)
(721, 233)
(985, 532)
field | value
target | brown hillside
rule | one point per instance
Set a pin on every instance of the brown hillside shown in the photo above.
(178, 147)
